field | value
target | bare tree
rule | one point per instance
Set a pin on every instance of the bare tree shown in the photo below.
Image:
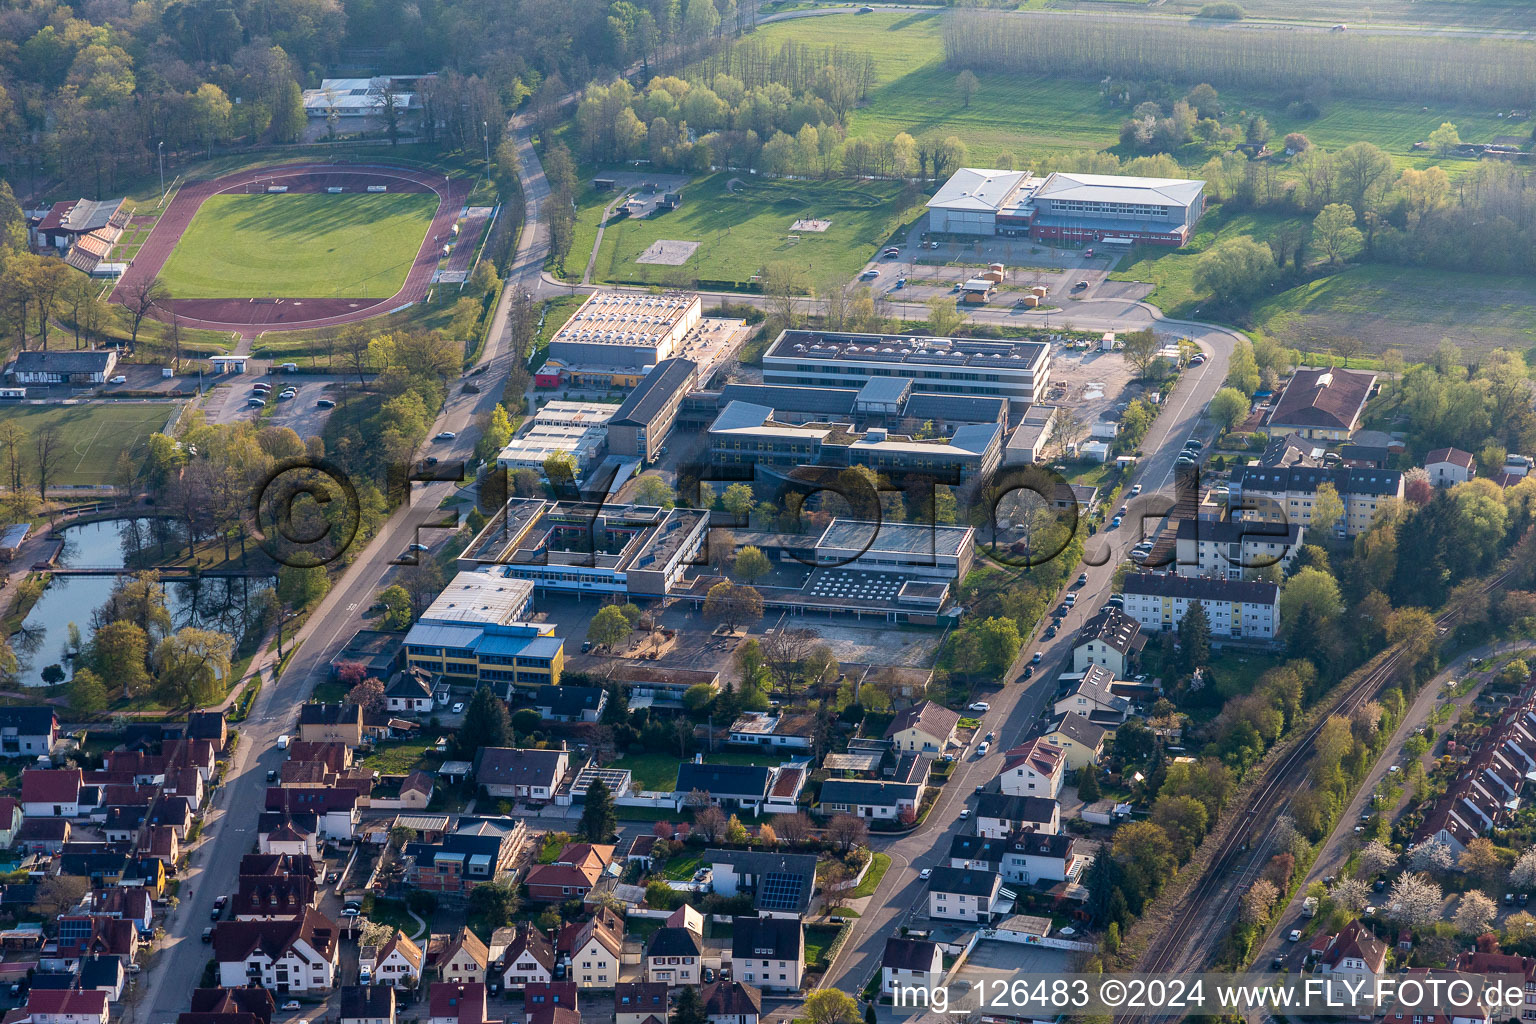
(785, 650)
(352, 341)
(141, 299)
(48, 446)
(847, 831)
(710, 823)
(792, 828)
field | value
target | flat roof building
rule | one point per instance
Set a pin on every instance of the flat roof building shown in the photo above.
(971, 367)
(641, 424)
(579, 429)
(471, 598)
(912, 549)
(626, 329)
(1067, 206)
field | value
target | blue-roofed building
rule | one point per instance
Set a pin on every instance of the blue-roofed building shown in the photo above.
(497, 653)
(11, 540)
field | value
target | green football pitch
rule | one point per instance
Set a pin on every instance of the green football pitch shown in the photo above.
(93, 434)
(355, 245)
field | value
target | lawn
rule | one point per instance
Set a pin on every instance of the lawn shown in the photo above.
(397, 757)
(94, 434)
(872, 878)
(683, 867)
(656, 770)
(310, 245)
(818, 938)
(745, 226)
(1408, 308)
(1044, 117)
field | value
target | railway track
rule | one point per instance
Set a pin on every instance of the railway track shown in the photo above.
(1264, 805)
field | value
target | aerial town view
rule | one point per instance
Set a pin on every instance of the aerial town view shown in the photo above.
(767, 511)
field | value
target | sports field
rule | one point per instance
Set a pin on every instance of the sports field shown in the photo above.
(299, 246)
(94, 433)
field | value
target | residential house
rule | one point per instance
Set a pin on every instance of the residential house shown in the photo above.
(463, 959)
(910, 964)
(1235, 549)
(925, 728)
(367, 1004)
(1033, 768)
(275, 895)
(1448, 467)
(41, 835)
(1248, 609)
(574, 872)
(397, 961)
(301, 954)
(1111, 639)
(640, 1002)
(1288, 495)
(11, 819)
(161, 843)
(106, 973)
(135, 905)
(251, 1000)
(63, 366)
(999, 815)
(478, 850)
(1321, 403)
(530, 775)
(1081, 740)
(773, 730)
(51, 792)
(768, 952)
(675, 956)
(288, 834)
(529, 958)
(27, 731)
(331, 723)
(732, 1002)
(965, 894)
(567, 703)
(729, 786)
(1030, 857)
(595, 948)
(457, 1003)
(409, 693)
(1354, 957)
(336, 809)
(869, 798)
(1094, 698)
(553, 1015)
(781, 884)
(67, 1006)
(541, 995)
(210, 726)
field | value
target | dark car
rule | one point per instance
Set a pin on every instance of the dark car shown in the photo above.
(1029, 670)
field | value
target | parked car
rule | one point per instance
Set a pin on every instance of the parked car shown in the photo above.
(1082, 579)
(891, 252)
(1080, 286)
(292, 1004)
(325, 403)
(208, 934)
(869, 275)
(1029, 670)
(271, 774)
(1050, 631)
(256, 403)
(965, 812)
(447, 435)
(925, 874)
(981, 751)
(1038, 657)
(119, 379)
(1114, 523)
(1295, 935)
(458, 708)
(980, 705)
(1135, 490)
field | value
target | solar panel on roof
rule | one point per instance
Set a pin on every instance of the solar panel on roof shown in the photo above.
(780, 891)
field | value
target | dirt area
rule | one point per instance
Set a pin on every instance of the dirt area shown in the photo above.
(1096, 382)
(817, 226)
(873, 644)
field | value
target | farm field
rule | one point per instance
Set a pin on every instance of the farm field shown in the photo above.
(744, 226)
(1041, 117)
(309, 246)
(94, 434)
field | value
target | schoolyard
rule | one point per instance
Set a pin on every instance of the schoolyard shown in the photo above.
(299, 246)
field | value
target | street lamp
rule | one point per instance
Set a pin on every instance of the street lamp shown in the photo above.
(160, 150)
(486, 128)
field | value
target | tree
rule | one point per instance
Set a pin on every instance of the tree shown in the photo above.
(1088, 784)
(1474, 913)
(194, 665)
(1376, 857)
(1314, 590)
(653, 490)
(599, 820)
(792, 828)
(1414, 901)
(690, 1005)
(1185, 819)
(141, 298)
(966, 85)
(1228, 408)
(751, 564)
(1349, 894)
(1140, 349)
(944, 318)
(1257, 130)
(846, 831)
(609, 627)
(1143, 844)
(1480, 859)
(48, 446)
(1194, 637)
(1523, 874)
(486, 724)
(494, 902)
(1258, 901)
(709, 822)
(1295, 142)
(368, 694)
(698, 697)
(1134, 742)
(86, 691)
(732, 604)
(1445, 138)
(1236, 269)
(118, 652)
(61, 893)
(831, 1006)
(1334, 232)
(1433, 855)
(738, 501)
(397, 607)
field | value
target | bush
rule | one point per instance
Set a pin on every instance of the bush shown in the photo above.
(1222, 12)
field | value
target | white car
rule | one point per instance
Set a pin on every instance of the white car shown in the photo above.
(925, 874)
(965, 812)
(119, 379)
(1135, 490)
(447, 435)
(1395, 768)
(350, 911)
(458, 708)
(981, 751)
(981, 705)
(292, 1004)
(1295, 935)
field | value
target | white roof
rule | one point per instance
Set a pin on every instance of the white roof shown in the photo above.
(1118, 188)
(479, 597)
(977, 188)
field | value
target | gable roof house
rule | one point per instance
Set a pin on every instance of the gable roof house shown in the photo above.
(732, 1002)
(51, 792)
(729, 786)
(595, 947)
(61, 366)
(336, 809)
(910, 963)
(1094, 698)
(529, 958)
(67, 1006)
(1450, 466)
(522, 774)
(575, 871)
(768, 952)
(966, 894)
(268, 897)
(27, 731)
(300, 954)
(331, 723)
(367, 1004)
(637, 1002)
(925, 728)
(999, 815)
(781, 884)
(1080, 740)
(409, 692)
(871, 799)
(462, 959)
(1112, 639)
(457, 1003)
(398, 961)
(675, 956)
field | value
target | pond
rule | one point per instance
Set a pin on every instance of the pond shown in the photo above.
(227, 605)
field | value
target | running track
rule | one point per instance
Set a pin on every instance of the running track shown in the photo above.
(254, 316)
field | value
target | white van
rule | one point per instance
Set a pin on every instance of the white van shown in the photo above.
(283, 741)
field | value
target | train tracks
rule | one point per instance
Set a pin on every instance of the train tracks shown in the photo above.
(1264, 805)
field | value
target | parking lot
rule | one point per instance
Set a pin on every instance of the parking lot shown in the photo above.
(301, 413)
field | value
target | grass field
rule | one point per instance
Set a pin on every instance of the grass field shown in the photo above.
(94, 434)
(1173, 271)
(1041, 117)
(742, 229)
(310, 246)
